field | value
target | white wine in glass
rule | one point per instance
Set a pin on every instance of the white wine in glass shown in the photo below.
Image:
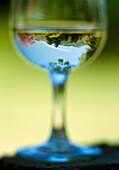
(59, 35)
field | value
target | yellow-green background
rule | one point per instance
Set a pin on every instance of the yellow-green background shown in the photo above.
(26, 96)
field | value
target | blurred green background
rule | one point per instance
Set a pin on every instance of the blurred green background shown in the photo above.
(92, 98)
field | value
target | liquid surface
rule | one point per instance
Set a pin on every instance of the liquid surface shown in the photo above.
(58, 50)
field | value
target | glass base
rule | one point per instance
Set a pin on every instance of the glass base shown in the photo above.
(58, 151)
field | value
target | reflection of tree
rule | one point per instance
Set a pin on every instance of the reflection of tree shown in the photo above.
(60, 66)
(56, 38)
(89, 39)
(87, 55)
(93, 42)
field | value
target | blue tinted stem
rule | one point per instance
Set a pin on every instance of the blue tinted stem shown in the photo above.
(59, 83)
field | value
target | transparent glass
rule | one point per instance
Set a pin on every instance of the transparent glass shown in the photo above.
(58, 35)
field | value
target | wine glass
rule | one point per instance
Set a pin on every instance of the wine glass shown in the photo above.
(58, 36)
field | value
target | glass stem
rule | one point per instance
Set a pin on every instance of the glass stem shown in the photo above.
(59, 83)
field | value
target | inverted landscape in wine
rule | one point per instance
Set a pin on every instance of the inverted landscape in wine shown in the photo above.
(58, 50)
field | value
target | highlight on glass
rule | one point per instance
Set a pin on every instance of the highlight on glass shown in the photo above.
(58, 36)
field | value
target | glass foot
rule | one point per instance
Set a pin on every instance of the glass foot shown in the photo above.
(58, 151)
